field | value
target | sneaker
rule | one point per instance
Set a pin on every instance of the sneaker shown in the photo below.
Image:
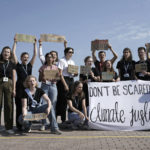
(10, 131)
(42, 128)
(27, 130)
(56, 131)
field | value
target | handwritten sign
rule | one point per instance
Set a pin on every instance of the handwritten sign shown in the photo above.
(99, 45)
(85, 70)
(141, 67)
(38, 116)
(148, 47)
(73, 69)
(25, 38)
(107, 76)
(123, 105)
(52, 38)
(51, 74)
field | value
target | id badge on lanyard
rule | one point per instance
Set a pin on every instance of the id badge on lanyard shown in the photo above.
(5, 79)
(126, 75)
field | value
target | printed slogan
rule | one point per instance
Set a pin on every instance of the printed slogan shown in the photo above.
(123, 105)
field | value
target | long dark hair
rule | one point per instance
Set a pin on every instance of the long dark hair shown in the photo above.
(73, 90)
(56, 54)
(105, 68)
(46, 57)
(1, 55)
(130, 58)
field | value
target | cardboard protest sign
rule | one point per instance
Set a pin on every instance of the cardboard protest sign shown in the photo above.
(51, 75)
(32, 117)
(106, 76)
(73, 69)
(25, 38)
(99, 45)
(52, 38)
(141, 67)
(85, 70)
(148, 47)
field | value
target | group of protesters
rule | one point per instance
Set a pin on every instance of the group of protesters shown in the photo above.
(54, 96)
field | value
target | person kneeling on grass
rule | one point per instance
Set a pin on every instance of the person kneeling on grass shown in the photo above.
(31, 100)
(77, 112)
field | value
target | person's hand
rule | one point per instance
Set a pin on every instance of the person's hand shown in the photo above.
(65, 43)
(40, 42)
(109, 46)
(92, 74)
(15, 40)
(48, 110)
(24, 113)
(144, 72)
(81, 115)
(87, 118)
(35, 41)
(75, 75)
(85, 81)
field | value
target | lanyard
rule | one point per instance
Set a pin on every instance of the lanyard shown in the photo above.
(77, 101)
(25, 69)
(5, 66)
(126, 67)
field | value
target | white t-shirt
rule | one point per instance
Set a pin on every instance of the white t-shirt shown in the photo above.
(63, 65)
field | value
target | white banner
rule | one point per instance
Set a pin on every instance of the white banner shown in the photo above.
(123, 105)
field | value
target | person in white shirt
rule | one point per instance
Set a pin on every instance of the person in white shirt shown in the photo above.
(66, 82)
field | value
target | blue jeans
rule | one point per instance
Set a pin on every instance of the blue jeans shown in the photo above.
(51, 91)
(75, 118)
(41, 109)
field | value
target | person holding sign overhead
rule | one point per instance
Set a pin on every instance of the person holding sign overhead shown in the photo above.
(42, 58)
(126, 66)
(7, 87)
(102, 56)
(64, 85)
(23, 69)
(109, 75)
(89, 75)
(144, 64)
(49, 83)
(49, 38)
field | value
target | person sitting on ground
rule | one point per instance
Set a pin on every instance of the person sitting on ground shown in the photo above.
(77, 112)
(31, 102)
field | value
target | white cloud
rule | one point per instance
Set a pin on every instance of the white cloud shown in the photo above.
(129, 31)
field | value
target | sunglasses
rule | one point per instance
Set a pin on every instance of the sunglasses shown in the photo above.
(71, 52)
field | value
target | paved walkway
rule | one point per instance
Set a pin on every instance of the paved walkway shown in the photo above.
(75, 140)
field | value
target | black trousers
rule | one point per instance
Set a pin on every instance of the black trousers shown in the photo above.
(61, 105)
(19, 91)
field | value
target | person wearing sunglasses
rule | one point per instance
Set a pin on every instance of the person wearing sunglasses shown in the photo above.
(64, 85)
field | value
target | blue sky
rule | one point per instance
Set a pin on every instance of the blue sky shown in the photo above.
(125, 23)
